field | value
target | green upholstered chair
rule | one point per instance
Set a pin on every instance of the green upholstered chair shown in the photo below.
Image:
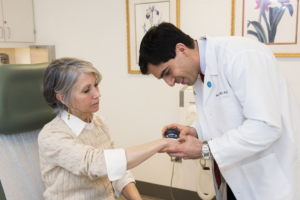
(2, 195)
(23, 112)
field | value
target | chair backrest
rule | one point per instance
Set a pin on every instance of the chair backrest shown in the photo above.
(2, 195)
(23, 112)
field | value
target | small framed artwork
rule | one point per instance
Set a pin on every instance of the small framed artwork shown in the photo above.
(272, 22)
(142, 15)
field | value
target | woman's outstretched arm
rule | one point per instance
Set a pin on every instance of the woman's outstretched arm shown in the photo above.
(138, 154)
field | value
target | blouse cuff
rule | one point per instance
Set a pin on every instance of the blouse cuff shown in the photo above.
(116, 163)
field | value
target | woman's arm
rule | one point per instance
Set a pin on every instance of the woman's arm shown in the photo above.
(138, 154)
(131, 193)
(56, 144)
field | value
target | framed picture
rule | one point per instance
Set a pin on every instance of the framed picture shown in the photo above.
(272, 22)
(142, 15)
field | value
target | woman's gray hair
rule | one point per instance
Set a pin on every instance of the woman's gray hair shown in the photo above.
(60, 77)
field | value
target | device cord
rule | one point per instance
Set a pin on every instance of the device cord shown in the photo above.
(172, 181)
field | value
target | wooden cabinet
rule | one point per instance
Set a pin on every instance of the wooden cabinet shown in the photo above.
(16, 21)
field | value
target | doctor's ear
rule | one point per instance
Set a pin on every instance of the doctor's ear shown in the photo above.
(181, 48)
(60, 97)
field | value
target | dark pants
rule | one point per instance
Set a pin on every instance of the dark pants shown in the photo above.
(230, 195)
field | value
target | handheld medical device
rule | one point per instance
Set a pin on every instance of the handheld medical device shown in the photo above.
(172, 133)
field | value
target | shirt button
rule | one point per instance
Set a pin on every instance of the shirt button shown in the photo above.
(209, 84)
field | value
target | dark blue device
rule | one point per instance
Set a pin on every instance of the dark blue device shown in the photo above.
(172, 133)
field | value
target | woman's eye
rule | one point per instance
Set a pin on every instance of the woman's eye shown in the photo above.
(86, 91)
(96, 85)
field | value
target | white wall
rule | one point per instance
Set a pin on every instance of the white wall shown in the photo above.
(137, 106)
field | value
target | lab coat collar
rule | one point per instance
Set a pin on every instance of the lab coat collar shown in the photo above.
(210, 56)
(202, 48)
(211, 67)
(76, 124)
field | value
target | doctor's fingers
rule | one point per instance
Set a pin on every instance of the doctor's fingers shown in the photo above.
(185, 131)
(182, 138)
(191, 147)
(183, 150)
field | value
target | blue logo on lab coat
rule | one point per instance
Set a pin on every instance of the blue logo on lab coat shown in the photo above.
(209, 84)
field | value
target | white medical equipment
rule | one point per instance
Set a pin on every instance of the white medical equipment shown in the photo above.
(188, 114)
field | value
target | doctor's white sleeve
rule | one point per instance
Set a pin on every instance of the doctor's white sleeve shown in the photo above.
(255, 80)
(197, 126)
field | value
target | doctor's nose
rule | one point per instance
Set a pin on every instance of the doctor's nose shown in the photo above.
(170, 81)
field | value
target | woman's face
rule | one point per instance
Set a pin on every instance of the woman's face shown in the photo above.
(86, 96)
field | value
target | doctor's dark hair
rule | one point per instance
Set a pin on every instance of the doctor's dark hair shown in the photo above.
(60, 77)
(158, 45)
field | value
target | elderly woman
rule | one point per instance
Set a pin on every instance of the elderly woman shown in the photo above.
(77, 155)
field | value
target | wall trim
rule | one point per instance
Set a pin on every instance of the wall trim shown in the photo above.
(163, 192)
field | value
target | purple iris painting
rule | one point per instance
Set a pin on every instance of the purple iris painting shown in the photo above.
(147, 15)
(150, 13)
(270, 14)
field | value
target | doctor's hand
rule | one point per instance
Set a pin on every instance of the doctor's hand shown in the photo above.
(184, 130)
(188, 147)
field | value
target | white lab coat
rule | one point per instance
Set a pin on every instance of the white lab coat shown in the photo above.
(251, 119)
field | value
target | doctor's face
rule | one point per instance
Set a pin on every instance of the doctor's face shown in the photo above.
(181, 70)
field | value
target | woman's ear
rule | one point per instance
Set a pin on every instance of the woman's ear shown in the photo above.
(60, 97)
(181, 48)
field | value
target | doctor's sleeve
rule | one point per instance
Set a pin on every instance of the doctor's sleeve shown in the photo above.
(197, 126)
(255, 81)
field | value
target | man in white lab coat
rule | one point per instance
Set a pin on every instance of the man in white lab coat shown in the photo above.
(249, 120)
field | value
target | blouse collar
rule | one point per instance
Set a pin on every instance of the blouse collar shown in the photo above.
(76, 124)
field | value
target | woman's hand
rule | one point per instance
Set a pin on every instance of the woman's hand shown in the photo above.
(170, 143)
(184, 130)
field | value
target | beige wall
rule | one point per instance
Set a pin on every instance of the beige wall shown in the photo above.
(38, 55)
(25, 55)
(22, 55)
(137, 106)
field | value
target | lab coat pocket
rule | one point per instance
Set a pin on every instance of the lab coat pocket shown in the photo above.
(267, 179)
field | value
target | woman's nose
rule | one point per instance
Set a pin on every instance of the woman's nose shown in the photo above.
(170, 81)
(97, 93)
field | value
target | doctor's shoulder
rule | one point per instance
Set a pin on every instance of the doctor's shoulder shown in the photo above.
(234, 47)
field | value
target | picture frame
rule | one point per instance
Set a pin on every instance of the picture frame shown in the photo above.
(140, 16)
(257, 20)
